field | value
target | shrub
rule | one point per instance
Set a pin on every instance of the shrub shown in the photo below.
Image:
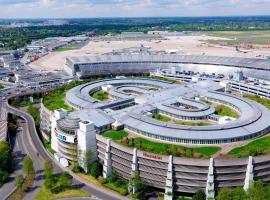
(96, 169)
(3, 177)
(123, 191)
(102, 180)
(77, 169)
(113, 178)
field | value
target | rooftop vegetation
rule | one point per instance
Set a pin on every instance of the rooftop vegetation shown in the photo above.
(161, 148)
(258, 99)
(223, 110)
(100, 95)
(165, 118)
(254, 148)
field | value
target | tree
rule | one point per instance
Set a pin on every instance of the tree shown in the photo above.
(137, 185)
(19, 181)
(88, 159)
(28, 167)
(232, 194)
(64, 181)
(200, 195)
(96, 169)
(239, 194)
(48, 173)
(48, 168)
(3, 177)
(259, 191)
(5, 157)
(224, 194)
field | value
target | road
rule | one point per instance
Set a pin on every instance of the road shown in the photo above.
(32, 140)
(3, 122)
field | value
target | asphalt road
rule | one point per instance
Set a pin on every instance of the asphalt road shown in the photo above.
(3, 122)
(31, 139)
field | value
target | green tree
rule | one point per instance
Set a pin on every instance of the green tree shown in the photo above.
(259, 191)
(64, 181)
(3, 177)
(48, 173)
(224, 194)
(239, 194)
(137, 185)
(48, 168)
(200, 195)
(28, 167)
(96, 169)
(19, 181)
(5, 157)
(88, 159)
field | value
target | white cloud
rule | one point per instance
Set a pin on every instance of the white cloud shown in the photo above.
(130, 8)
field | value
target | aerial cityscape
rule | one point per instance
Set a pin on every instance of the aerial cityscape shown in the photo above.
(132, 99)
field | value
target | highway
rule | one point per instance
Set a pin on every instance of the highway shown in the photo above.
(33, 145)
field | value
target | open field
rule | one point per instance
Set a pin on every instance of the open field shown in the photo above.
(241, 37)
(161, 148)
(193, 44)
(67, 48)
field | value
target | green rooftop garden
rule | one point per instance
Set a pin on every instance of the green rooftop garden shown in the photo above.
(258, 99)
(165, 118)
(223, 110)
(100, 95)
(161, 148)
(254, 148)
(162, 118)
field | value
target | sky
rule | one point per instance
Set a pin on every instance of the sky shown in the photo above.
(130, 8)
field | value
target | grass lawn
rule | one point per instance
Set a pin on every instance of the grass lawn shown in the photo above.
(118, 188)
(258, 99)
(115, 135)
(189, 123)
(238, 33)
(100, 95)
(162, 118)
(20, 193)
(256, 147)
(161, 148)
(226, 111)
(241, 37)
(166, 79)
(45, 194)
(165, 118)
(67, 48)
